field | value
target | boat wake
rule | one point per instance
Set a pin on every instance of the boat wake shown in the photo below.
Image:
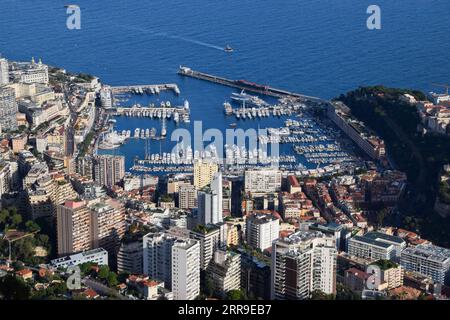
(174, 37)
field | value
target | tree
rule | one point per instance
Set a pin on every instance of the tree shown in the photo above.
(381, 215)
(31, 226)
(319, 295)
(103, 273)
(236, 295)
(112, 279)
(12, 288)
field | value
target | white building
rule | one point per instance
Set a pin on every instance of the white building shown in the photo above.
(262, 230)
(4, 73)
(302, 263)
(129, 257)
(210, 240)
(31, 72)
(98, 256)
(210, 204)
(429, 260)
(262, 181)
(185, 269)
(376, 246)
(157, 256)
(8, 109)
(224, 272)
(5, 178)
(106, 97)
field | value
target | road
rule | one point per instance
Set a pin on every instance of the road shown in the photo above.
(102, 289)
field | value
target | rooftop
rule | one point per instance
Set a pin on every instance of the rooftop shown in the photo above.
(429, 252)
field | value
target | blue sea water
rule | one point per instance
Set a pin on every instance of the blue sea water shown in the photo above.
(316, 47)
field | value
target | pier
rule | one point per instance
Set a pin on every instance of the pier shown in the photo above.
(148, 88)
(246, 85)
(178, 113)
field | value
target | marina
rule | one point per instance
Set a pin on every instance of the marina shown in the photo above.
(302, 143)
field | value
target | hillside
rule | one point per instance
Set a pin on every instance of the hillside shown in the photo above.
(420, 156)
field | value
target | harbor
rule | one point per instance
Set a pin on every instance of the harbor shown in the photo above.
(304, 144)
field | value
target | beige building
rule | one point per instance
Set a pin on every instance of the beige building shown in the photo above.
(73, 227)
(109, 169)
(187, 197)
(107, 225)
(204, 171)
(47, 193)
(19, 143)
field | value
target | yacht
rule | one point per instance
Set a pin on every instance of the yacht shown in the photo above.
(228, 49)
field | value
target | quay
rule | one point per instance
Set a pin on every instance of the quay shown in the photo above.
(246, 85)
(148, 111)
(149, 88)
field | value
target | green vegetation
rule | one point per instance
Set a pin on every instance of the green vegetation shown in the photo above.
(236, 295)
(102, 273)
(203, 229)
(84, 146)
(319, 295)
(12, 288)
(385, 264)
(83, 77)
(344, 293)
(24, 248)
(420, 156)
(165, 198)
(444, 192)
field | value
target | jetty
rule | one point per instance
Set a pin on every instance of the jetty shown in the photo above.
(247, 85)
(146, 88)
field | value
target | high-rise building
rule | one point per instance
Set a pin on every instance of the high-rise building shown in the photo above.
(209, 238)
(224, 272)
(129, 257)
(254, 276)
(5, 178)
(429, 260)
(185, 269)
(263, 181)
(157, 256)
(187, 197)
(376, 246)
(109, 169)
(73, 227)
(210, 210)
(302, 263)
(8, 109)
(204, 171)
(4, 71)
(46, 194)
(106, 97)
(174, 260)
(107, 225)
(262, 230)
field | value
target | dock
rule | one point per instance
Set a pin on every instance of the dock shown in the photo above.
(149, 88)
(246, 85)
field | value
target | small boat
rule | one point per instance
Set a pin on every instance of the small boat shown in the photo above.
(233, 125)
(228, 49)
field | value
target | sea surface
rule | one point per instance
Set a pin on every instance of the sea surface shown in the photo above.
(316, 47)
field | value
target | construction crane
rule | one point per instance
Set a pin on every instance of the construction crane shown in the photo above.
(7, 238)
(446, 86)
